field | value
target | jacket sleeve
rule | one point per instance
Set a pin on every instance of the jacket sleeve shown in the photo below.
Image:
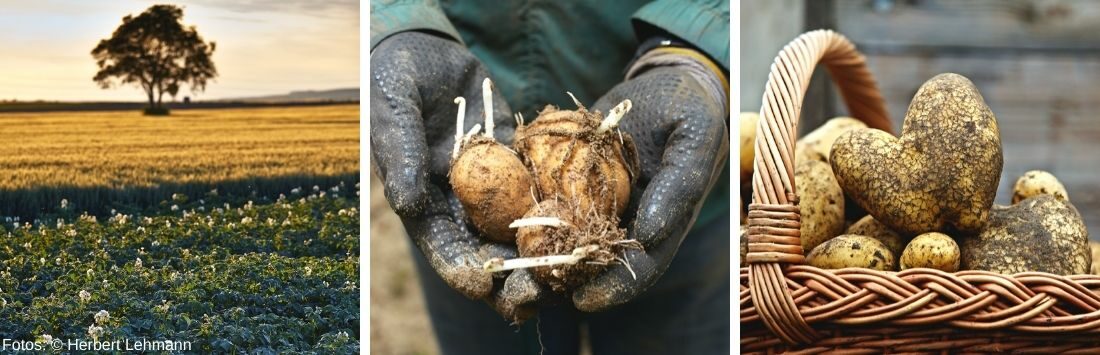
(702, 23)
(388, 17)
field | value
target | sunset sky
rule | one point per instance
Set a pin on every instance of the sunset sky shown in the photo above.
(264, 47)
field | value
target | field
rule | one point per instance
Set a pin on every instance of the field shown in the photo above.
(235, 230)
(99, 161)
(247, 277)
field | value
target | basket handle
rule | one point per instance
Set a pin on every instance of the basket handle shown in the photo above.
(773, 219)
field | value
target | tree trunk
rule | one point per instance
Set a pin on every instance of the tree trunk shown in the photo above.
(149, 93)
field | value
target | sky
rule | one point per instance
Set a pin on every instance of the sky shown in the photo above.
(264, 47)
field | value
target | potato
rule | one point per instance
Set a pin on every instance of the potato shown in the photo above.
(1095, 247)
(494, 187)
(819, 143)
(821, 202)
(748, 120)
(578, 231)
(573, 161)
(488, 179)
(931, 250)
(869, 227)
(1038, 234)
(744, 244)
(851, 250)
(1038, 182)
(942, 172)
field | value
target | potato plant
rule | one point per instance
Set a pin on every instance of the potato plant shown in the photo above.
(228, 276)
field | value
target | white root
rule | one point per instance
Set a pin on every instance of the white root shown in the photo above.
(458, 128)
(519, 119)
(539, 221)
(575, 101)
(533, 198)
(487, 99)
(498, 264)
(471, 133)
(614, 116)
(628, 268)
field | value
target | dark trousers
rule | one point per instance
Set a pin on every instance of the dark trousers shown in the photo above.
(685, 312)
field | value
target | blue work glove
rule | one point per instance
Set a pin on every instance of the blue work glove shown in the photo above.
(679, 125)
(414, 79)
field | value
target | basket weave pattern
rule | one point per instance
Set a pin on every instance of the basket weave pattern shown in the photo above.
(786, 306)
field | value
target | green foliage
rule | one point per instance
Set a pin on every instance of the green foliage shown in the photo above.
(157, 52)
(277, 277)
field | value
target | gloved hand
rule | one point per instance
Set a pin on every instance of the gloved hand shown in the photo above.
(414, 79)
(678, 124)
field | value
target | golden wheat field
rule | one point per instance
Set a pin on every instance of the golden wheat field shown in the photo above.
(90, 158)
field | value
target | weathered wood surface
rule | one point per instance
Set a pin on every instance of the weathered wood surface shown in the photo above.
(969, 25)
(766, 26)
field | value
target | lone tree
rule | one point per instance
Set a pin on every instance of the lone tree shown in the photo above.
(156, 51)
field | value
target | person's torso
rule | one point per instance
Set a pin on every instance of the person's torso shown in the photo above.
(537, 50)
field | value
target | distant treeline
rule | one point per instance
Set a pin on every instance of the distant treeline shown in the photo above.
(48, 106)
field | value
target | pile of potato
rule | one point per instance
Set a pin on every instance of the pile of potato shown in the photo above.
(924, 199)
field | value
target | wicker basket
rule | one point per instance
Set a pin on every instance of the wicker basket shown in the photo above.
(789, 307)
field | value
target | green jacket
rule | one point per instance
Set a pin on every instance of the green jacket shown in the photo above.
(538, 50)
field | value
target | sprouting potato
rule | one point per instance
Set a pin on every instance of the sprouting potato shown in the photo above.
(489, 179)
(580, 156)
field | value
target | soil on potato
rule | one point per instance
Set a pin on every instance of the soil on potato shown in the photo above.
(593, 229)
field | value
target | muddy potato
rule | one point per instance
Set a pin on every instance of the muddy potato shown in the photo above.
(818, 143)
(942, 172)
(748, 141)
(1037, 182)
(578, 231)
(1038, 234)
(868, 226)
(493, 186)
(931, 250)
(571, 160)
(851, 250)
(821, 202)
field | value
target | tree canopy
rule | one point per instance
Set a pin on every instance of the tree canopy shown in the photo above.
(156, 51)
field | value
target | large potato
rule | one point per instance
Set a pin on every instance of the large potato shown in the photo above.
(821, 202)
(1037, 182)
(931, 250)
(852, 251)
(942, 172)
(570, 160)
(1038, 234)
(868, 226)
